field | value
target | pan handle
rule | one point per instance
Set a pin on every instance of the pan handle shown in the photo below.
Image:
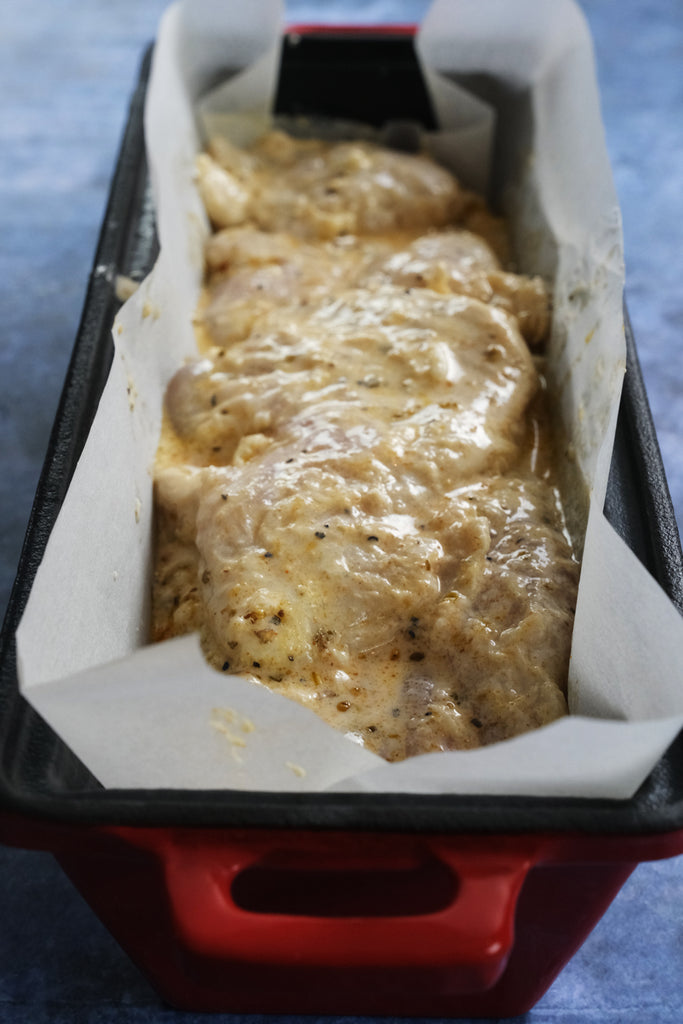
(471, 935)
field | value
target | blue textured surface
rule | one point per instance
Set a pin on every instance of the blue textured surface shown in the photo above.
(66, 72)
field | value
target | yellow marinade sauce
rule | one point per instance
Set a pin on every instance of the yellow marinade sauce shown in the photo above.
(355, 488)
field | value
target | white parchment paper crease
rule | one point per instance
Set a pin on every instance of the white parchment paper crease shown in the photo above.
(158, 716)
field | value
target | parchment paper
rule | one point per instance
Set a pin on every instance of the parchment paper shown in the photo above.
(158, 716)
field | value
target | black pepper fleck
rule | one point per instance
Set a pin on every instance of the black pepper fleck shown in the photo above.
(267, 554)
(476, 723)
(226, 666)
(256, 664)
(416, 656)
(319, 534)
(373, 537)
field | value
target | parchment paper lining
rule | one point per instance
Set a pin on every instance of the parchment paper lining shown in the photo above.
(142, 716)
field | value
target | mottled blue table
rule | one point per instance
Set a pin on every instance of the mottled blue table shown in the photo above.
(66, 71)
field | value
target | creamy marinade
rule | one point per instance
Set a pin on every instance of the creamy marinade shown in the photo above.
(355, 496)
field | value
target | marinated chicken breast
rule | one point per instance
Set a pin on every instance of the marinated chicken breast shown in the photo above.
(446, 373)
(354, 488)
(252, 271)
(321, 190)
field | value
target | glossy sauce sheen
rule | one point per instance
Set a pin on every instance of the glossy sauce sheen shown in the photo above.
(354, 486)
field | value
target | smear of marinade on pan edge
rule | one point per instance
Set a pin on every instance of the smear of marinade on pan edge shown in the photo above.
(355, 495)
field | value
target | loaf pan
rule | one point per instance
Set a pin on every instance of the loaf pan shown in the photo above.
(328, 903)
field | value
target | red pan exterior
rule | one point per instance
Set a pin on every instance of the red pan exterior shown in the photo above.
(247, 920)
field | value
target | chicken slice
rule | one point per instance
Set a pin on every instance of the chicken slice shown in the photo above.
(321, 190)
(410, 367)
(444, 625)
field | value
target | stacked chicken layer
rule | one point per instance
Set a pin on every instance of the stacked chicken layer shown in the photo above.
(355, 498)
